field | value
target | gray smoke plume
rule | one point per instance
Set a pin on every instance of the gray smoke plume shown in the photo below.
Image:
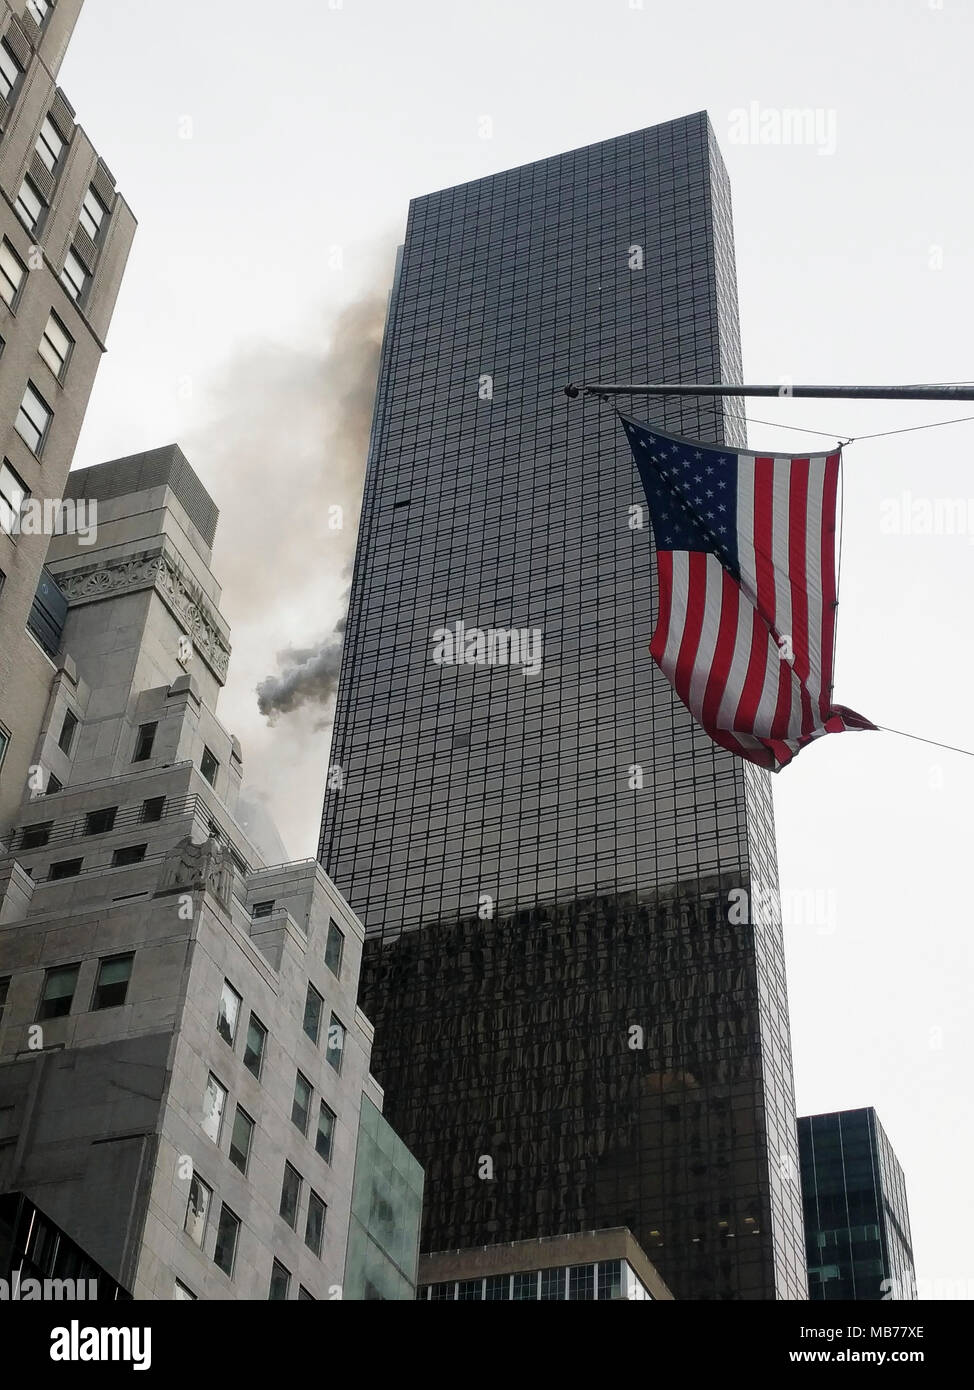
(309, 677)
(287, 453)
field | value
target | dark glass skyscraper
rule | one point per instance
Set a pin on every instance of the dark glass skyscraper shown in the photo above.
(572, 1032)
(857, 1222)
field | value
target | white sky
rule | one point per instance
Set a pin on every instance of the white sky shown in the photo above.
(312, 127)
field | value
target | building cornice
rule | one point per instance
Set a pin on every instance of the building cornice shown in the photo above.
(159, 569)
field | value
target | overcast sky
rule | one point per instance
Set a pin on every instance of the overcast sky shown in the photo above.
(252, 140)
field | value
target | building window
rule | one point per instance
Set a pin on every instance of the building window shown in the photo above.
(336, 1043)
(37, 9)
(67, 732)
(152, 809)
(10, 72)
(581, 1282)
(74, 277)
(100, 822)
(59, 986)
(497, 1286)
(4, 743)
(50, 145)
(182, 1292)
(315, 1225)
(301, 1104)
(209, 767)
(313, 1006)
(93, 214)
(326, 1131)
(129, 854)
(4, 986)
(12, 272)
(226, 1020)
(33, 419)
(29, 205)
(227, 1234)
(214, 1104)
(304, 1296)
(113, 982)
(334, 946)
(37, 835)
(254, 1050)
(280, 1283)
(197, 1209)
(290, 1195)
(610, 1278)
(65, 868)
(553, 1284)
(263, 909)
(526, 1285)
(143, 744)
(53, 785)
(241, 1139)
(470, 1290)
(13, 495)
(55, 346)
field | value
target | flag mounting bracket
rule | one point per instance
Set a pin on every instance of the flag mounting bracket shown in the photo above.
(959, 392)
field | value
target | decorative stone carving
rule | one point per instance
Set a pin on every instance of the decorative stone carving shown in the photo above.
(192, 868)
(162, 571)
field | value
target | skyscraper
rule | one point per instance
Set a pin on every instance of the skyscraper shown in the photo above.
(65, 235)
(575, 1031)
(857, 1222)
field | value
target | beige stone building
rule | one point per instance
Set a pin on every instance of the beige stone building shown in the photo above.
(185, 1091)
(65, 234)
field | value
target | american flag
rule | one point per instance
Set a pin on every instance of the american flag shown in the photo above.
(745, 555)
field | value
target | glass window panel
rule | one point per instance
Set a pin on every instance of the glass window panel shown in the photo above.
(301, 1104)
(241, 1139)
(59, 987)
(227, 1233)
(55, 346)
(12, 272)
(315, 1225)
(113, 982)
(290, 1195)
(334, 947)
(214, 1103)
(226, 1022)
(197, 1209)
(9, 71)
(326, 1131)
(280, 1282)
(254, 1050)
(33, 419)
(336, 1043)
(313, 1006)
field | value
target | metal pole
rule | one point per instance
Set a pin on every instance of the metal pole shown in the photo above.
(855, 393)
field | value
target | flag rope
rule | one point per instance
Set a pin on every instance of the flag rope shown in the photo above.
(951, 748)
(856, 438)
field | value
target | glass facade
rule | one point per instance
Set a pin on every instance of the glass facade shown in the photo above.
(571, 1032)
(387, 1204)
(857, 1223)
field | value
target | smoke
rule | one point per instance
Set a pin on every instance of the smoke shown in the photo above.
(282, 451)
(286, 456)
(309, 677)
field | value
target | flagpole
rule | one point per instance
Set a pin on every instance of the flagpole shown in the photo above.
(855, 393)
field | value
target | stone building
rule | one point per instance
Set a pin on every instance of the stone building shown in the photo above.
(65, 235)
(184, 1071)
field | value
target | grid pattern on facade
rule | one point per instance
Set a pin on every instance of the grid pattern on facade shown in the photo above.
(492, 501)
(857, 1223)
